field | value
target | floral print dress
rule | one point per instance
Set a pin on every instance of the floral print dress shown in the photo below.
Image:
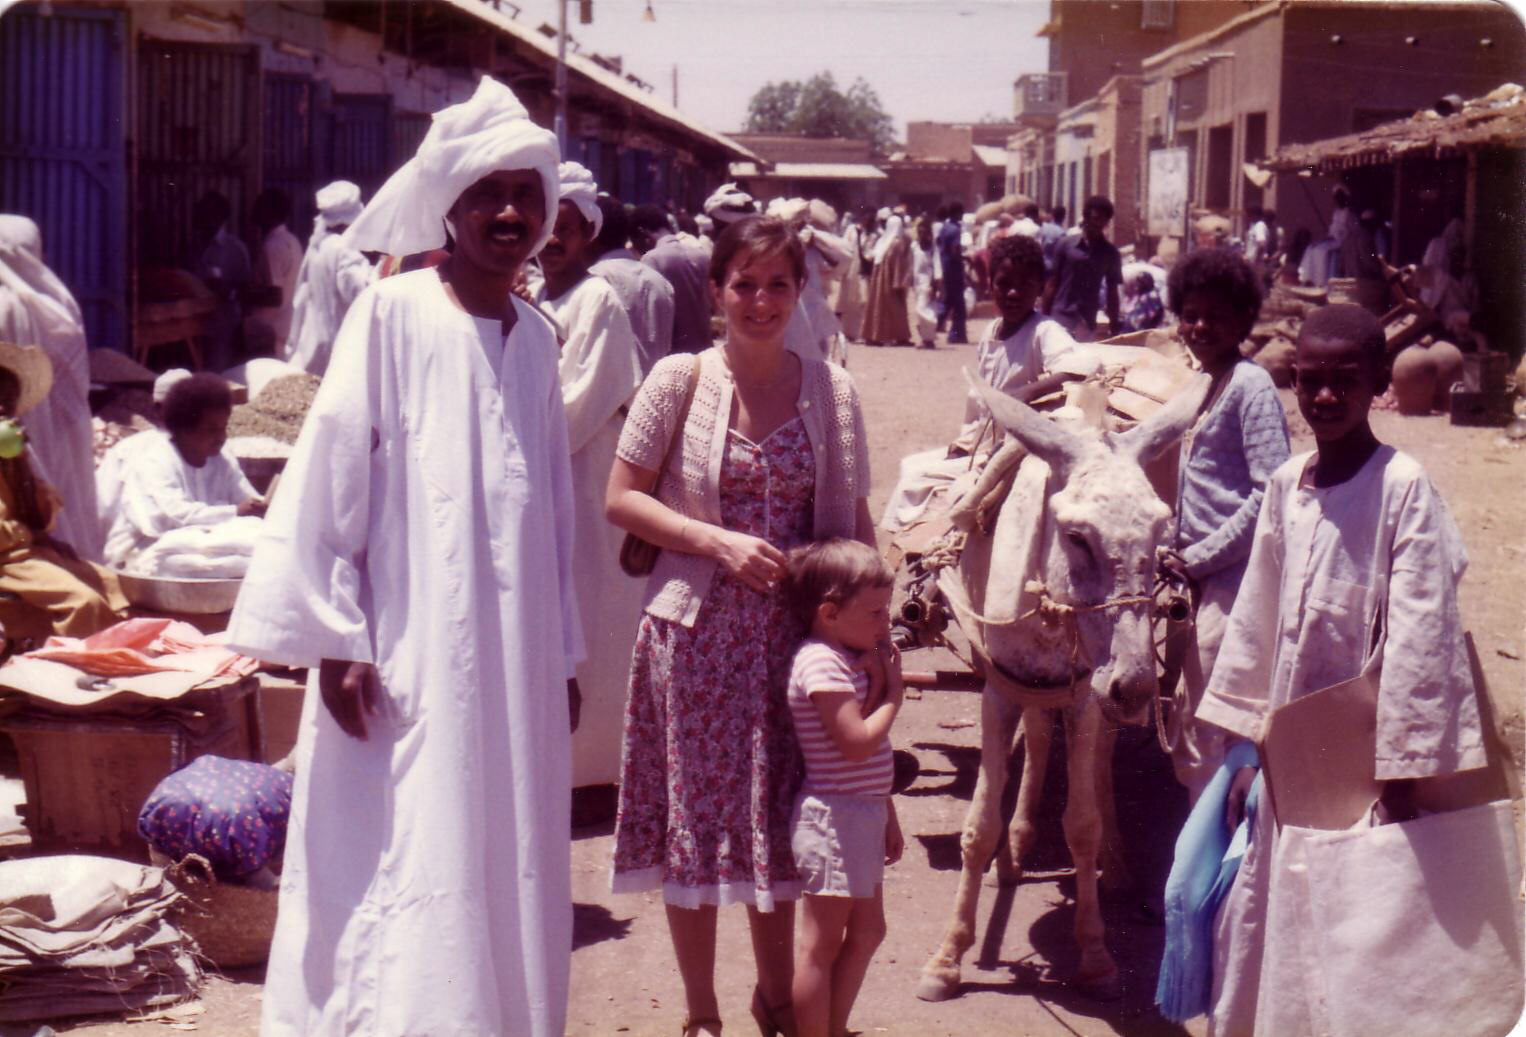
(711, 765)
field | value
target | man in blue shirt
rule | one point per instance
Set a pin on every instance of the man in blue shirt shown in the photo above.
(1051, 231)
(951, 255)
(1082, 265)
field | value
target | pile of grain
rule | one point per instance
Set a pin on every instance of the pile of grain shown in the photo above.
(278, 411)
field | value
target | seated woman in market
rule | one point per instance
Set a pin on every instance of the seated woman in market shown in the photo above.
(44, 586)
(180, 505)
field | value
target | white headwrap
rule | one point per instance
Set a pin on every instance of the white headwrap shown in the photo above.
(490, 132)
(339, 203)
(167, 381)
(728, 204)
(894, 227)
(577, 187)
(22, 269)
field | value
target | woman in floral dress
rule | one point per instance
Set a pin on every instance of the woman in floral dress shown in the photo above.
(771, 454)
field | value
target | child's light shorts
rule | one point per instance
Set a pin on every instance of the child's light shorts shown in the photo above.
(839, 843)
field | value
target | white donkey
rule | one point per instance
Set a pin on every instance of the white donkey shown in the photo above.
(1060, 616)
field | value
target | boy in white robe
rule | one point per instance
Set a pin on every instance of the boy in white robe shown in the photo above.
(1355, 563)
(183, 476)
(600, 373)
(1015, 355)
(418, 559)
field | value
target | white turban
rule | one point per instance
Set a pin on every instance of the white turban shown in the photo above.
(490, 132)
(339, 203)
(728, 204)
(167, 381)
(577, 187)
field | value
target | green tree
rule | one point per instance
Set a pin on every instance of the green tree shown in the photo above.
(817, 107)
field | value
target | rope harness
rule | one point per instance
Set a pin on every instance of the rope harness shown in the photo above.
(1167, 602)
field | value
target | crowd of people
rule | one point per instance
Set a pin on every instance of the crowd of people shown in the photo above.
(529, 384)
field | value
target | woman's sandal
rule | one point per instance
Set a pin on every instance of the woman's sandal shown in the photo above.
(700, 1027)
(772, 1022)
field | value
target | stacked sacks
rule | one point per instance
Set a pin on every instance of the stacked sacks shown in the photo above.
(81, 935)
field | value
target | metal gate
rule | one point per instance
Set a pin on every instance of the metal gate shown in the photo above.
(360, 140)
(63, 159)
(291, 144)
(198, 131)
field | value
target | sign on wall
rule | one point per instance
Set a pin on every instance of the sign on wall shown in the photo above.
(1167, 206)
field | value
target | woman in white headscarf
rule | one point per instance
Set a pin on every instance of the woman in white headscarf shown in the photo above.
(332, 276)
(37, 310)
(886, 320)
(600, 372)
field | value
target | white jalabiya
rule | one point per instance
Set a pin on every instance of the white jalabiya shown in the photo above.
(647, 297)
(600, 372)
(333, 276)
(36, 309)
(850, 288)
(826, 259)
(1007, 364)
(421, 525)
(147, 489)
(1332, 571)
(926, 268)
(280, 260)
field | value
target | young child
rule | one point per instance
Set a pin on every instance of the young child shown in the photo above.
(1355, 563)
(844, 692)
(1016, 355)
(1238, 441)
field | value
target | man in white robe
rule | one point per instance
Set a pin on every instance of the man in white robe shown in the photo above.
(418, 558)
(333, 275)
(1334, 572)
(276, 266)
(36, 309)
(600, 372)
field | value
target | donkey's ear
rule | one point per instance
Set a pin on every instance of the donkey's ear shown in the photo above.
(1151, 437)
(1047, 439)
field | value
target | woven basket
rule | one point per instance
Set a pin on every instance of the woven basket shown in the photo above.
(231, 924)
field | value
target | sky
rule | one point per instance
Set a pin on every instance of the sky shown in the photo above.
(944, 60)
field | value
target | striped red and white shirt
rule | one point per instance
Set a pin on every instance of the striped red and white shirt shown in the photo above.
(822, 667)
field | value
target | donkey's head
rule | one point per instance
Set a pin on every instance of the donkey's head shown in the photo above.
(1103, 525)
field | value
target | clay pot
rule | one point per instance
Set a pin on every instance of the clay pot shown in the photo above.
(1414, 380)
(1448, 360)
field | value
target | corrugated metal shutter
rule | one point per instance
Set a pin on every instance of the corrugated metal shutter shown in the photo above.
(63, 159)
(290, 145)
(360, 140)
(198, 131)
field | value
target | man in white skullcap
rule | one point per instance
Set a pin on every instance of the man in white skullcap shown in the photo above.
(332, 276)
(418, 560)
(36, 309)
(600, 372)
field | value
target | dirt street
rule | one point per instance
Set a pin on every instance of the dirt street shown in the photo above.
(623, 977)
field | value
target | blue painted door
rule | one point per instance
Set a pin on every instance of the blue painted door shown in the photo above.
(63, 157)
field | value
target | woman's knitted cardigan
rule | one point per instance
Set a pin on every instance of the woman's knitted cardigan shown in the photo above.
(691, 481)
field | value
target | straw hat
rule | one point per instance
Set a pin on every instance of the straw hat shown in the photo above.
(32, 369)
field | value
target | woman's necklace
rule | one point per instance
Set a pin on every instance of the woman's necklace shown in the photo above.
(757, 386)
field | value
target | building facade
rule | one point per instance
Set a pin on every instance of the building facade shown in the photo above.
(115, 117)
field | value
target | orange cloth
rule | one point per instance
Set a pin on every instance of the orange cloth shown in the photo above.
(138, 646)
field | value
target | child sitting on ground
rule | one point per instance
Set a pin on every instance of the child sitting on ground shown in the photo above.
(1238, 441)
(845, 689)
(1355, 567)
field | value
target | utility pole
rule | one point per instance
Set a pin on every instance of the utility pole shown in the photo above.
(561, 75)
(675, 86)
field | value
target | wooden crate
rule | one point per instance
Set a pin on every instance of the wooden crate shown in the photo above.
(86, 778)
